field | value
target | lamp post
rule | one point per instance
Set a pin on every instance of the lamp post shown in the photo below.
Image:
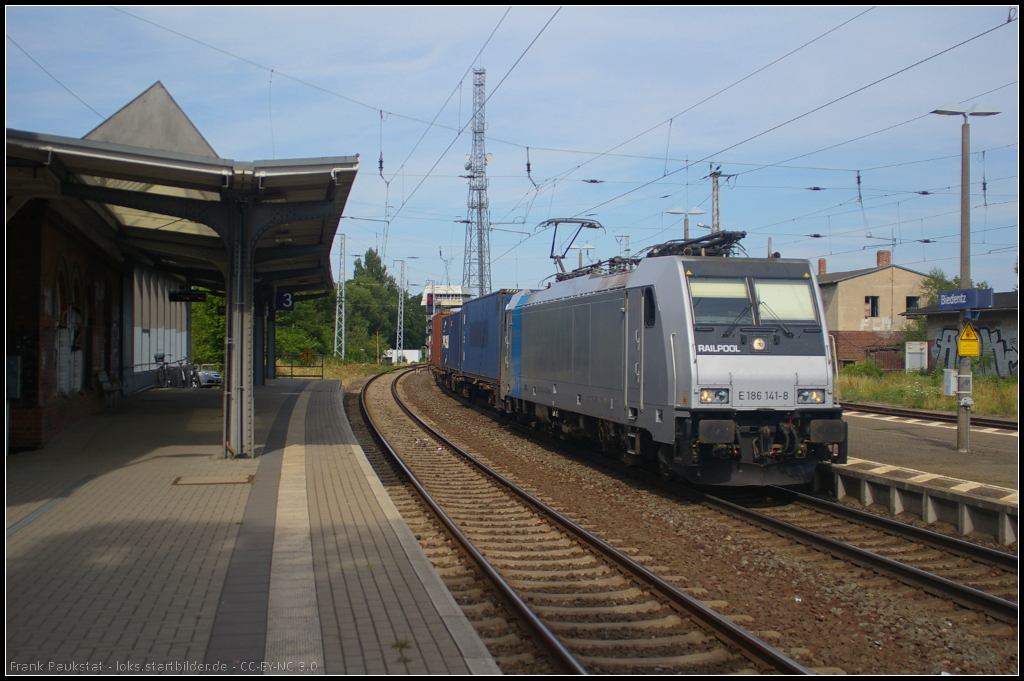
(963, 411)
(686, 218)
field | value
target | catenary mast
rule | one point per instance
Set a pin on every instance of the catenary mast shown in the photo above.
(476, 270)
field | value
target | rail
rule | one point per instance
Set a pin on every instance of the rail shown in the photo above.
(965, 596)
(753, 648)
(941, 417)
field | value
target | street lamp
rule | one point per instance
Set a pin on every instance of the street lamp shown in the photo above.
(686, 218)
(963, 412)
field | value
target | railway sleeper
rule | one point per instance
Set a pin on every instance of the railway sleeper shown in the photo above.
(584, 561)
(511, 521)
(518, 658)
(478, 610)
(538, 554)
(490, 624)
(504, 641)
(711, 657)
(603, 596)
(503, 533)
(601, 583)
(994, 585)
(541, 543)
(635, 628)
(642, 608)
(694, 638)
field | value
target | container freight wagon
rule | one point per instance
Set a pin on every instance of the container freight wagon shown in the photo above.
(451, 343)
(482, 322)
(471, 358)
(436, 338)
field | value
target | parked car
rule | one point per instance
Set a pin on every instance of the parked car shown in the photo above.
(205, 376)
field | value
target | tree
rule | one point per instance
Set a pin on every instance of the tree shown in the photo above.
(309, 326)
(208, 331)
(372, 311)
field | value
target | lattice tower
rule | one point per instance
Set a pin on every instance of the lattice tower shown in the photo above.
(339, 304)
(399, 354)
(476, 269)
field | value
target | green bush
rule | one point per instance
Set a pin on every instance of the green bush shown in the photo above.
(866, 368)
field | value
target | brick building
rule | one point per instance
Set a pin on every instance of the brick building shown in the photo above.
(864, 308)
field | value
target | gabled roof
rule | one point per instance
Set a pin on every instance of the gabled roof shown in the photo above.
(836, 277)
(153, 120)
(157, 186)
(1000, 301)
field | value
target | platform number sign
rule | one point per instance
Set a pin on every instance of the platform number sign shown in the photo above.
(284, 301)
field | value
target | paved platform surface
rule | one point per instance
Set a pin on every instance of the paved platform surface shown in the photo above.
(133, 547)
(931, 447)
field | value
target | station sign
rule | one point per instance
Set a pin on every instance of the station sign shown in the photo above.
(965, 299)
(284, 301)
(186, 296)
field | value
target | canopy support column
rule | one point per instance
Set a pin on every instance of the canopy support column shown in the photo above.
(239, 432)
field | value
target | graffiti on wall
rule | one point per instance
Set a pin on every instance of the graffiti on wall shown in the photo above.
(998, 349)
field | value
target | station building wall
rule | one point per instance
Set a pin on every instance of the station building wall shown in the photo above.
(64, 313)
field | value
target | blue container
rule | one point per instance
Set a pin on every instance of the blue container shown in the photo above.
(482, 322)
(451, 342)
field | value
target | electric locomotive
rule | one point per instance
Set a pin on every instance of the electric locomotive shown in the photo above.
(709, 367)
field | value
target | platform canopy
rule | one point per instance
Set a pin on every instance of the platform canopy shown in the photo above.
(159, 205)
(167, 201)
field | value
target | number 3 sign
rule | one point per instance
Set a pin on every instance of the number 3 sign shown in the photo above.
(284, 301)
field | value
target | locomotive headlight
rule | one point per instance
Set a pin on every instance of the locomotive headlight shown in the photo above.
(714, 396)
(810, 396)
(759, 344)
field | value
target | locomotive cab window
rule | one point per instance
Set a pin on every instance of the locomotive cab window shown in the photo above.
(649, 307)
(789, 301)
(720, 301)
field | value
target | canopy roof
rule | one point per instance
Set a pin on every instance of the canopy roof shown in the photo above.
(293, 254)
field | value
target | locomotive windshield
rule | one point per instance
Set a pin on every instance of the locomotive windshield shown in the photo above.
(720, 301)
(781, 300)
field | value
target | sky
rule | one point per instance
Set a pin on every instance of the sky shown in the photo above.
(622, 112)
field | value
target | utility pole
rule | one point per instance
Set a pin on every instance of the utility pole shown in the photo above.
(339, 305)
(476, 269)
(965, 379)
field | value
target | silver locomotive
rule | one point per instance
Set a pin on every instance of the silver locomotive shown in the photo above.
(709, 367)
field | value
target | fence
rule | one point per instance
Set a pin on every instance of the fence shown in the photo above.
(306, 365)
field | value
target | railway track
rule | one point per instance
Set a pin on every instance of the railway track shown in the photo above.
(940, 417)
(968, 574)
(588, 605)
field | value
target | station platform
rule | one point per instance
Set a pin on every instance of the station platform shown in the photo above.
(132, 546)
(911, 465)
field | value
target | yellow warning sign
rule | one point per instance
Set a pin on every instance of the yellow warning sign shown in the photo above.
(968, 344)
(307, 355)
